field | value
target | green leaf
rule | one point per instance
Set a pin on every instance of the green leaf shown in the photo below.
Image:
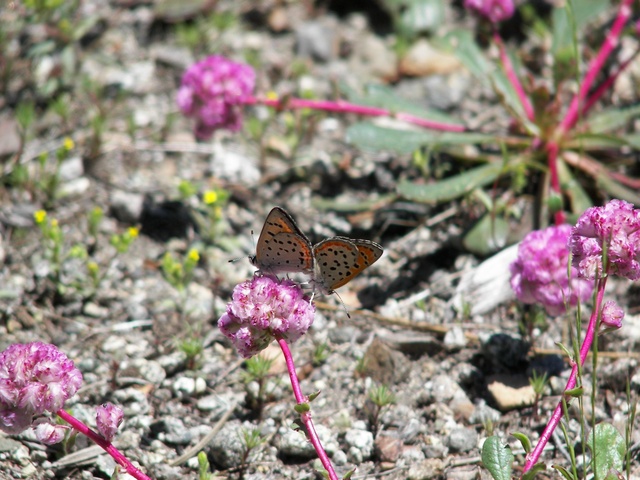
(564, 472)
(617, 190)
(497, 458)
(580, 201)
(524, 441)
(575, 392)
(611, 119)
(382, 96)
(452, 187)
(487, 236)
(531, 474)
(608, 451)
(632, 140)
(339, 205)
(582, 12)
(463, 45)
(368, 136)
(302, 407)
(600, 141)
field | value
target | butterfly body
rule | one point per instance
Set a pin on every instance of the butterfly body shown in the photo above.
(339, 259)
(282, 247)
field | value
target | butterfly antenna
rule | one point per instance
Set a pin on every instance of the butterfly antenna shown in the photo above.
(343, 305)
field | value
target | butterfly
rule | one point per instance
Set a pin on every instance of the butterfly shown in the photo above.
(339, 259)
(282, 247)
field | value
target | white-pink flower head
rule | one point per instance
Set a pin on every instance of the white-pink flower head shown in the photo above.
(213, 91)
(613, 229)
(34, 378)
(540, 272)
(265, 308)
(493, 10)
(612, 315)
(108, 419)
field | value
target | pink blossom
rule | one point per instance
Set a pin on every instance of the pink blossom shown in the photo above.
(48, 433)
(612, 315)
(611, 232)
(493, 10)
(212, 91)
(108, 419)
(540, 273)
(34, 378)
(263, 308)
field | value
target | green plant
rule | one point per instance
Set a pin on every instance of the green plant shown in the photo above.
(251, 439)
(257, 369)
(204, 468)
(380, 396)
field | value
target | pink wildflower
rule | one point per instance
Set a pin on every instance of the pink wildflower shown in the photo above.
(108, 419)
(612, 231)
(493, 10)
(263, 308)
(540, 273)
(612, 315)
(212, 91)
(48, 433)
(34, 378)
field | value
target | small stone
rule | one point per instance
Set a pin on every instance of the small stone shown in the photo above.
(93, 310)
(315, 40)
(426, 470)
(126, 207)
(463, 440)
(184, 387)
(278, 20)
(462, 473)
(360, 440)
(511, 391)
(483, 414)
(455, 339)
(388, 448)
(71, 169)
(113, 344)
(295, 444)
(422, 59)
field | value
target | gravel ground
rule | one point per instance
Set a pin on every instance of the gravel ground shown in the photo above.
(458, 374)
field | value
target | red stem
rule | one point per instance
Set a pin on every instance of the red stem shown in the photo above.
(106, 446)
(554, 179)
(595, 96)
(346, 107)
(306, 417)
(595, 66)
(533, 457)
(513, 78)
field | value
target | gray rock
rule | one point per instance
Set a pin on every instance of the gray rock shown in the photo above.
(126, 207)
(462, 439)
(234, 167)
(173, 431)
(315, 40)
(484, 414)
(227, 446)
(106, 464)
(184, 387)
(295, 444)
(150, 370)
(361, 444)
(455, 339)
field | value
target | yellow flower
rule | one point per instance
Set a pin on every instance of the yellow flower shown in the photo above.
(271, 95)
(193, 255)
(54, 222)
(210, 197)
(39, 216)
(68, 143)
(133, 232)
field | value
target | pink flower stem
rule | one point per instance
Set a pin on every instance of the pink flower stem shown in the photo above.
(606, 85)
(106, 446)
(346, 107)
(513, 78)
(306, 416)
(572, 115)
(533, 457)
(554, 180)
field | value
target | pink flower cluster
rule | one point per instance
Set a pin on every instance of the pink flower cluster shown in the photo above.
(108, 419)
(611, 232)
(540, 273)
(34, 378)
(493, 10)
(212, 91)
(264, 308)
